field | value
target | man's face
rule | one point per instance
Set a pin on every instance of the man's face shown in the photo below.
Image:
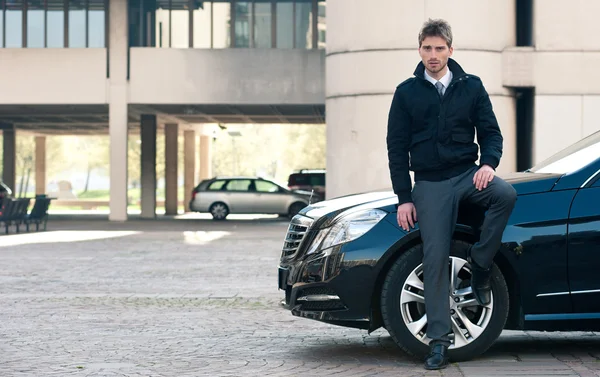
(435, 53)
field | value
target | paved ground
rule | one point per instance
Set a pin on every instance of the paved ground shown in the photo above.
(196, 298)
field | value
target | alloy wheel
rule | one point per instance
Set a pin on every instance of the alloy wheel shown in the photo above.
(219, 211)
(469, 319)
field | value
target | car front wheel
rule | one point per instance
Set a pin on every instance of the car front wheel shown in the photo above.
(474, 327)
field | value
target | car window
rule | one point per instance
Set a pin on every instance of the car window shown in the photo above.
(571, 158)
(317, 179)
(265, 186)
(238, 185)
(216, 185)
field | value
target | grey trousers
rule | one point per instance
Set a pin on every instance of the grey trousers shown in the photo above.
(437, 211)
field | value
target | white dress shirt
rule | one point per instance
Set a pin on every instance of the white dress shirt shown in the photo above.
(445, 80)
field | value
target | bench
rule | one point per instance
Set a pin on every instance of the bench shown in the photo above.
(14, 211)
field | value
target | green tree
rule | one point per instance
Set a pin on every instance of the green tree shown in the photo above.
(270, 150)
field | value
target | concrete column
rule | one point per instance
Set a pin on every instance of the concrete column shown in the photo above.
(117, 113)
(171, 133)
(189, 167)
(9, 157)
(148, 166)
(205, 157)
(40, 165)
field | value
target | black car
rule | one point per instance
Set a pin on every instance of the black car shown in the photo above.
(346, 261)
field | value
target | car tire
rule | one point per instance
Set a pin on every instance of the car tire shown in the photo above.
(398, 311)
(219, 211)
(295, 208)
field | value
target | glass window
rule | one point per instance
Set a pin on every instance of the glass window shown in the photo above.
(285, 24)
(321, 26)
(303, 24)
(243, 19)
(239, 185)
(55, 24)
(162, 23)
(216, 185)
(265, 186)
(202, 25)
(14, 23)
(571, 158)
(262, 24)
(221, 25)
(77, 24)
(35, 24)
(180, 24)
(1, 30)
(96, 24)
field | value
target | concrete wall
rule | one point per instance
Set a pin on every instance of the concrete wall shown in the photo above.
(567, 102)
(229, 76)
(53, 76)
(371, 49)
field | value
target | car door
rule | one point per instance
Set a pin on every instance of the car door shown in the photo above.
(584, 250)
(271, 198)
(239, 196)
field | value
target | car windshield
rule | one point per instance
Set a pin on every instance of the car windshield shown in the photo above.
(572, 158)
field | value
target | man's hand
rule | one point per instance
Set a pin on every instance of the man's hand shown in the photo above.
(483, 176)
(407, 215)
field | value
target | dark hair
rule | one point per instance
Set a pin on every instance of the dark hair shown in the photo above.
(436, 28)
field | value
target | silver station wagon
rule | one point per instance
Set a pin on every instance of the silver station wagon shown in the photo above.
(248, 195)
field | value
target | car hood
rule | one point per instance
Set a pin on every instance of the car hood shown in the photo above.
(531, 183)
(328, 209)
(322, 212)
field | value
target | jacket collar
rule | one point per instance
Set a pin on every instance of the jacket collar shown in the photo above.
(454, 67)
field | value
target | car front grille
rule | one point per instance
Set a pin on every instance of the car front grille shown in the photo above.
(297, 229)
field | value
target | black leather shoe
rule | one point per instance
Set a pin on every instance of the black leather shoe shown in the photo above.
(437, 358)
(481, 284)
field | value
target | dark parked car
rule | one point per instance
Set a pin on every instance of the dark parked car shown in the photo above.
(346, 261)
(308, 180)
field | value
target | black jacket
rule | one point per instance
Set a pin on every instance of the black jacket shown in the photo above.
(439, 133)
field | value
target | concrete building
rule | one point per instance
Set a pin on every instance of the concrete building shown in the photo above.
(146, 66)
(536, 59)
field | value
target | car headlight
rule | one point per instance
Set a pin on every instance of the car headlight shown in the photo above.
(345, 229)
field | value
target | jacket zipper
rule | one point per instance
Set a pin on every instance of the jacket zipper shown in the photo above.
(441, 99)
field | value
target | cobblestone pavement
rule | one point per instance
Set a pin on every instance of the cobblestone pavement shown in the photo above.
(199, 298)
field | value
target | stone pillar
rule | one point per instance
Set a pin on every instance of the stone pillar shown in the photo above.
(171, 134)
(148, 166)
(40, 165)
(189, 167)
(117, 112)
(205, 157)
(9, 157)
(358, 107)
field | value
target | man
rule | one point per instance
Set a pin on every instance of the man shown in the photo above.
(433, 119)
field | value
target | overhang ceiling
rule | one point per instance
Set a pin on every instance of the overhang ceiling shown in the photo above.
(93, 119)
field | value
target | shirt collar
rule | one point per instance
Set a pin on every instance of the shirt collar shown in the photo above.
(445, 80)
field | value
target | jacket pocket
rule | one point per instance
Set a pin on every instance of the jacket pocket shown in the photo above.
(419, 137)
(421, 150)
(462, 137)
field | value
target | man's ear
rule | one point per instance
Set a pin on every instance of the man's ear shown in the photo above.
(451, 49)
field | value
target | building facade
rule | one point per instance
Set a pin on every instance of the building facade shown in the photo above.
(140, 67)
